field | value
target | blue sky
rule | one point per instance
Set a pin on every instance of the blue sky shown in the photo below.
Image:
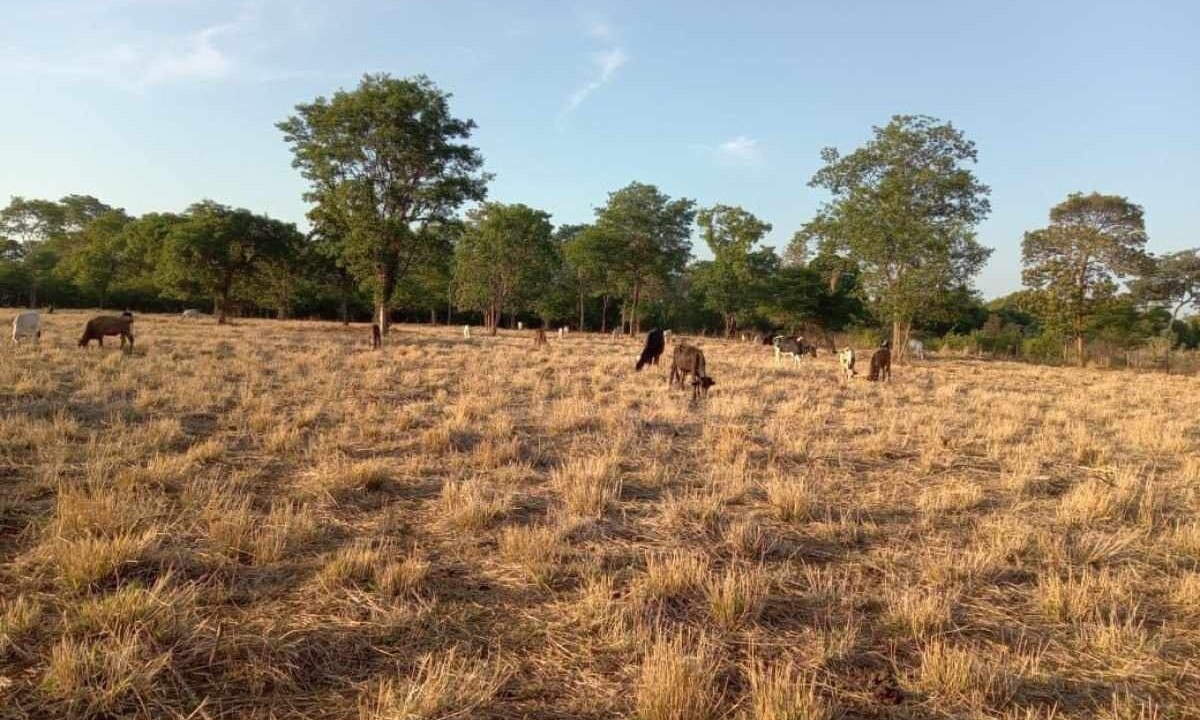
(154, 104)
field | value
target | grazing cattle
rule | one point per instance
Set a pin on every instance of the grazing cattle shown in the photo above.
(376, 337)
(916, 348)
(467, 331)
(846, 364)
(655, 344)
(689, 360)
(794, 347)
(539, 339)
(27, 324)
(192, 313)
(881, 364)
(98, 327)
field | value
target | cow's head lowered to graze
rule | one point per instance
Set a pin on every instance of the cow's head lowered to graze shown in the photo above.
(689, 361)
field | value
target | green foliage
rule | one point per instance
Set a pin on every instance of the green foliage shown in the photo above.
(1092, 241)
(214, 248)
(505, 255)
(903, 209)
(650, 233)
(735, 282)
(385, 162)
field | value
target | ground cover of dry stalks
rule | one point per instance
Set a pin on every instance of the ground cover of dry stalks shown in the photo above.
(269, 520)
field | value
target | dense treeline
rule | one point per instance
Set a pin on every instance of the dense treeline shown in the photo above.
(401, 229)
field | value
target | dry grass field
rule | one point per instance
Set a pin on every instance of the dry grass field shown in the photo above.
(268, 520)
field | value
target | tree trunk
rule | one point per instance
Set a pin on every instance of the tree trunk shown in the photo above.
(32, 292)
(730, 325)
(635, 322)
(581, 327)
(343, 309)
(449, 303)
(385, 278)
(604, 316)
(901, 329)
(1079, 339)
(432, 316)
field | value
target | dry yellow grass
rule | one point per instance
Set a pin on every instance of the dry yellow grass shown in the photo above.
(268, 520)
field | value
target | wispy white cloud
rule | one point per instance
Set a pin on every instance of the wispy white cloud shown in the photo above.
(209, 53)
(742, 150)
(605, 65)
(599, 29)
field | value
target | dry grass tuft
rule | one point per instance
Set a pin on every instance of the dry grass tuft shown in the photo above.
(445, 685)
(678, 682)
(781, 691)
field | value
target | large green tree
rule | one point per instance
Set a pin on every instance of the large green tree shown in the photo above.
(589, 254)
(34, 233)
(214, 248)
(1173, 282)
(734, 281)
(651, 233)
(387, 159)
(1091, 243)
(505, 255)
(98, 257)
(903, 209)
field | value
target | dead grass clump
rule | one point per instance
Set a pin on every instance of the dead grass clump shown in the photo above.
(471, 504)
(99, 560)
(242, 535)
(161, 611)
(19, 618)
(782, 691)
(736, 596)
(340, 478)
(749, 539)
(694, 509)
(950, 498)
(403, 577)
(958, 677)
(678, 682)
(105, 676)
(673, 577)
(1083, 597)
(791, 498)
(536, 550)
(445, 685)
(588, 486)
(920, 612)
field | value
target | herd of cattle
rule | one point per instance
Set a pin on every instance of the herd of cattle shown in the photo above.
(687, 361)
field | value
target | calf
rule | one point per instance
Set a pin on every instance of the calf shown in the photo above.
(27, 324)
(881, 364)
(916, 348)
(98, 327)
(376, 337)
(793, 346)
(191, 313)
(689, 360)
(846, 364)
(655, 344)
(467, 331)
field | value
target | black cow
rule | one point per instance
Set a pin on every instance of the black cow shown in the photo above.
(881, 364)
(655, 344)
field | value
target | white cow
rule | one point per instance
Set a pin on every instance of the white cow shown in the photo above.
(467, 331)
(846, 364)
(916, 348)
(27, 324)
(562, 333)
(192, 313)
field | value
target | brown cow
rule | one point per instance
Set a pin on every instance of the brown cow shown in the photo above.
(881, 364)
(376, 337)
(689, 360)
(98, 327)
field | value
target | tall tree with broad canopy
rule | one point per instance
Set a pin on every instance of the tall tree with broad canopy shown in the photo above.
(903, 209)
(388, 160)
(1092, 241)
(652, 234)
(589, 253)
(98, 256)
(1173, 281)
(504, 256)
(734, 281)
(34, 230)
(215, 247)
